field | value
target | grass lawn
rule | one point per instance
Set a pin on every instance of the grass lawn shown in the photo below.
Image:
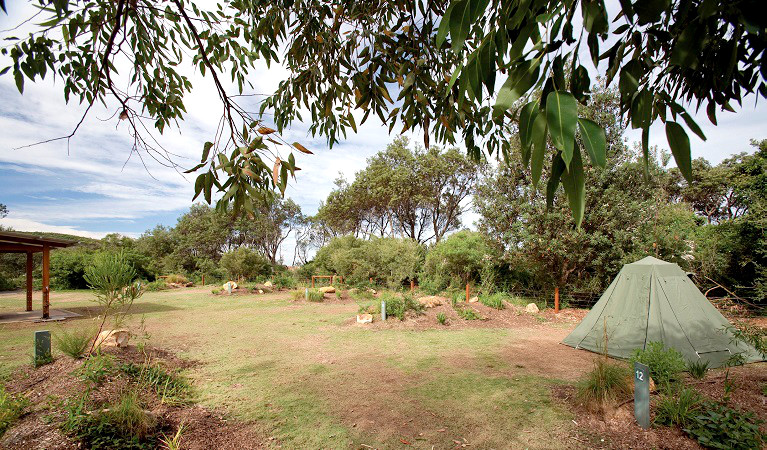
(307, 377)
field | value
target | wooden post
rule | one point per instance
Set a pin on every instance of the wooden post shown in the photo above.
(312, 281)
(46, 281)
(29, 280)
(467, 292)
(556, 299)
(203, 279)
(412, 286)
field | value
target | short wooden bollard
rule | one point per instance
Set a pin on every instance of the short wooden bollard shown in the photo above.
(467, 292)
(412, 286)
(203, 279)
(556, 299)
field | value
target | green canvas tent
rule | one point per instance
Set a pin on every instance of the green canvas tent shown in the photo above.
(653, 300)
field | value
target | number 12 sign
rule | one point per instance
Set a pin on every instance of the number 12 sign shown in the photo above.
(642, 394)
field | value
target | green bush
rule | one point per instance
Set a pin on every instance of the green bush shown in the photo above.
(678, 408)
(73, 343)
(605, 384)
(245, 262)
(390, 261)
(467, 313)
(697, 369)
(719, 426)
(156, 285)
(399, 306)
(285, 281)
(315, 295)
(176, 278)
(665, 363)
(123, 424)
(441, 318)
(455, 261)
(11, 408)
(493, 300)
(68, 267)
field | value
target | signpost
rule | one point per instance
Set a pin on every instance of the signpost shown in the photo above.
(42, 347)
(642, 394)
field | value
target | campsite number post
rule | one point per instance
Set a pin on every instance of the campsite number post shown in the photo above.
(642, 394)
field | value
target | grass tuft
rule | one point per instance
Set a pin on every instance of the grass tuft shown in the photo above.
(678, 408)
(493, 300)
(604, 385)
(697, 369)
(74, 343)
(441, 318)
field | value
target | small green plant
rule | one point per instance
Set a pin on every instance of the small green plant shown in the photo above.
(215, 291)
(441, 318)
(173, 442)
(697, 369)
(284, 281)
(11, 408)
(73, 343)
(467, 313)
(493, 300)
(605, 384)
(96, 367)
(111, 279)
(315, 295)
(719, 426)
(398, 307)
(678, 408)
(665, 363)
(171, 388)
(122, 424)
(156, 286)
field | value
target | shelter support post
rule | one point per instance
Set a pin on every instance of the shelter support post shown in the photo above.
(556, 299)
(46, 281)
(30, 264)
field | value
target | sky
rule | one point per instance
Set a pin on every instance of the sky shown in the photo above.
(92, 185)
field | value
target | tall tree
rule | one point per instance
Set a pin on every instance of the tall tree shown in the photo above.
(414, 193)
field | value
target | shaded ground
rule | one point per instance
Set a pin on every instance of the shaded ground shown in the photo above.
(276, 372)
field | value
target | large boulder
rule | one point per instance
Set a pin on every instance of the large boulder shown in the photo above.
(432, 301)
(532, 308)
(327, 289)
(113, 338)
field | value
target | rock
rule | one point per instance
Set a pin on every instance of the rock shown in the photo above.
(113, 338)
(268, 284)
(190, 284)
(327, 289)
(364, 318)
(372, 291)
(432, 301)
(532, 308)
(652, 385)
(474, 300)
(260, 291)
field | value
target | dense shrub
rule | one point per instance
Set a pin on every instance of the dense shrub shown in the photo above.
(455, 261)
(68, 267)
(245, 262)
(605, 384)
(156, 285)
(399, 306)
(176, 278)
(388, 261)
(719, 426)
(665, 363)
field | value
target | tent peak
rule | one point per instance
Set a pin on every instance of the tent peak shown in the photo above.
(651, 261)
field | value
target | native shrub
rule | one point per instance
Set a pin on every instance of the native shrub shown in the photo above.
(665, 363)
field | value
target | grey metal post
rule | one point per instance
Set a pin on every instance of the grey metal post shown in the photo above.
(383, 310)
